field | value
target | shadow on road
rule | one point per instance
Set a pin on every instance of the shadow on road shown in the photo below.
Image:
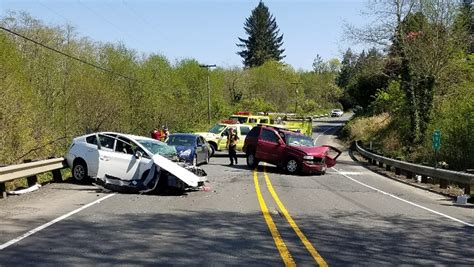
(217, 237)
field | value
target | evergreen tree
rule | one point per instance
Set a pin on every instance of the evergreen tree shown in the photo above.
(263, 42)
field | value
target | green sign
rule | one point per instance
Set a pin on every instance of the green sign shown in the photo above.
(436, 140)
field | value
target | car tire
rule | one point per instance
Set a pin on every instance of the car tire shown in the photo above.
(292, 166)
(79, 171)
(252, 162)
(213, 150)
(195, 160)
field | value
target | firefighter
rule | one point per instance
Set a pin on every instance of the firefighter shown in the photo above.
(231, 145)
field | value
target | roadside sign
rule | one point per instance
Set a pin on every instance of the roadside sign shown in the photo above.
(436, 140)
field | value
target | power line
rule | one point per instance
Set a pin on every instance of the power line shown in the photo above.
(67, 55)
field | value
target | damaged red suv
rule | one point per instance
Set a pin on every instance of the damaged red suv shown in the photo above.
(289, 150)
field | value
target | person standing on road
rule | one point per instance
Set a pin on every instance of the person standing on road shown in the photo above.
(231, 145)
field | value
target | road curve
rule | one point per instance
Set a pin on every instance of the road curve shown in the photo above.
(350, 216)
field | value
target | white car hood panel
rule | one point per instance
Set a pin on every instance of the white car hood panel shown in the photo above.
(184, 175)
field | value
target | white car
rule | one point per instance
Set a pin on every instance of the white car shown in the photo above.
(336, 113)
(125, 160)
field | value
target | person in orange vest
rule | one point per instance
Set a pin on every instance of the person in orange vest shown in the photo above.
(165, 133)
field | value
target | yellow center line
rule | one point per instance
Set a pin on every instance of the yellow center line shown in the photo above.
(314, 253)
(280, 244)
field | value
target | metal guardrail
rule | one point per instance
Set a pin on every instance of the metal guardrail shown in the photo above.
(411, 169)
(30, 170)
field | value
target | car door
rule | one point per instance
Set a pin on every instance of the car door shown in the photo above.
(222, 141)
(269, 147)
(243, 131)
(91, 155)
(331, 156)
(201, 149)
(120, 161)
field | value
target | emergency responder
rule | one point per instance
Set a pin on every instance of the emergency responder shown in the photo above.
(231, 145)
(165, 133)
(155, 134)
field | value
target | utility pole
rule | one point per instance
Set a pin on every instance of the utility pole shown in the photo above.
(296, 92)
(208, 91)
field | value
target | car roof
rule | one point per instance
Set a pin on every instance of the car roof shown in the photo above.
(185, 134)
(130, 136)
(282, 130)
(232, 125)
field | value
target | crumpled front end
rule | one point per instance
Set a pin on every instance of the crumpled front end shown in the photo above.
(163, 174)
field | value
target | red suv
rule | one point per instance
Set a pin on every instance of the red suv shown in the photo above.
(289, 150)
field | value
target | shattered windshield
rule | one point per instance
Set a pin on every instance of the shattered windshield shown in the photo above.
(216, 129)
(299, 140)
(157, 147)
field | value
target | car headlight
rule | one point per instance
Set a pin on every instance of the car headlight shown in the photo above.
(185, 153)
(307, 157)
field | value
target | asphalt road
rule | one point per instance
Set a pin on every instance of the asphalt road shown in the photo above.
(350, 216)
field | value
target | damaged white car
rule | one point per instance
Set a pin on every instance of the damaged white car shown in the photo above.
(123, 162)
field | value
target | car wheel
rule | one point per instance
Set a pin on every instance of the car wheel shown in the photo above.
(292, 166)
(195, 160)
(252, 162)
(79, 171)
(213, 150)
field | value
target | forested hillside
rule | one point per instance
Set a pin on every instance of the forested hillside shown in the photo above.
(421, 79)
(47, 98)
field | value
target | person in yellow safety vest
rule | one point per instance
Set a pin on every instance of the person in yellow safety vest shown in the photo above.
(231, 145)
(164, 133)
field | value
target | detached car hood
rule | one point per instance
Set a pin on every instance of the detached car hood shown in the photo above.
(181, 173)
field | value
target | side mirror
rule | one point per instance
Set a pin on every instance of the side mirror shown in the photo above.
(138, 154)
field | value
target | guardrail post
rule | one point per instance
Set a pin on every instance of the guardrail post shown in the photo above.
(388, 167)
(31, 180)
(409, 174)
(424, 179)
(443, 183)
(380, 164)
(397, 170)
(3, 192)
(57, 177)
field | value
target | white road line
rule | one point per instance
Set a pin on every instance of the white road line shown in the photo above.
(403, 200)
(39, 228)
(316, 139)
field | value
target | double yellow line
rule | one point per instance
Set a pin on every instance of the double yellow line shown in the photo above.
(280, 244)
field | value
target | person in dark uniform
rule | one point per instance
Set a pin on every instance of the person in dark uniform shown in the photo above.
(231, 145)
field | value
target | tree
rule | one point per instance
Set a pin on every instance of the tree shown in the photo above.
(319, 66)
(263, 42)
